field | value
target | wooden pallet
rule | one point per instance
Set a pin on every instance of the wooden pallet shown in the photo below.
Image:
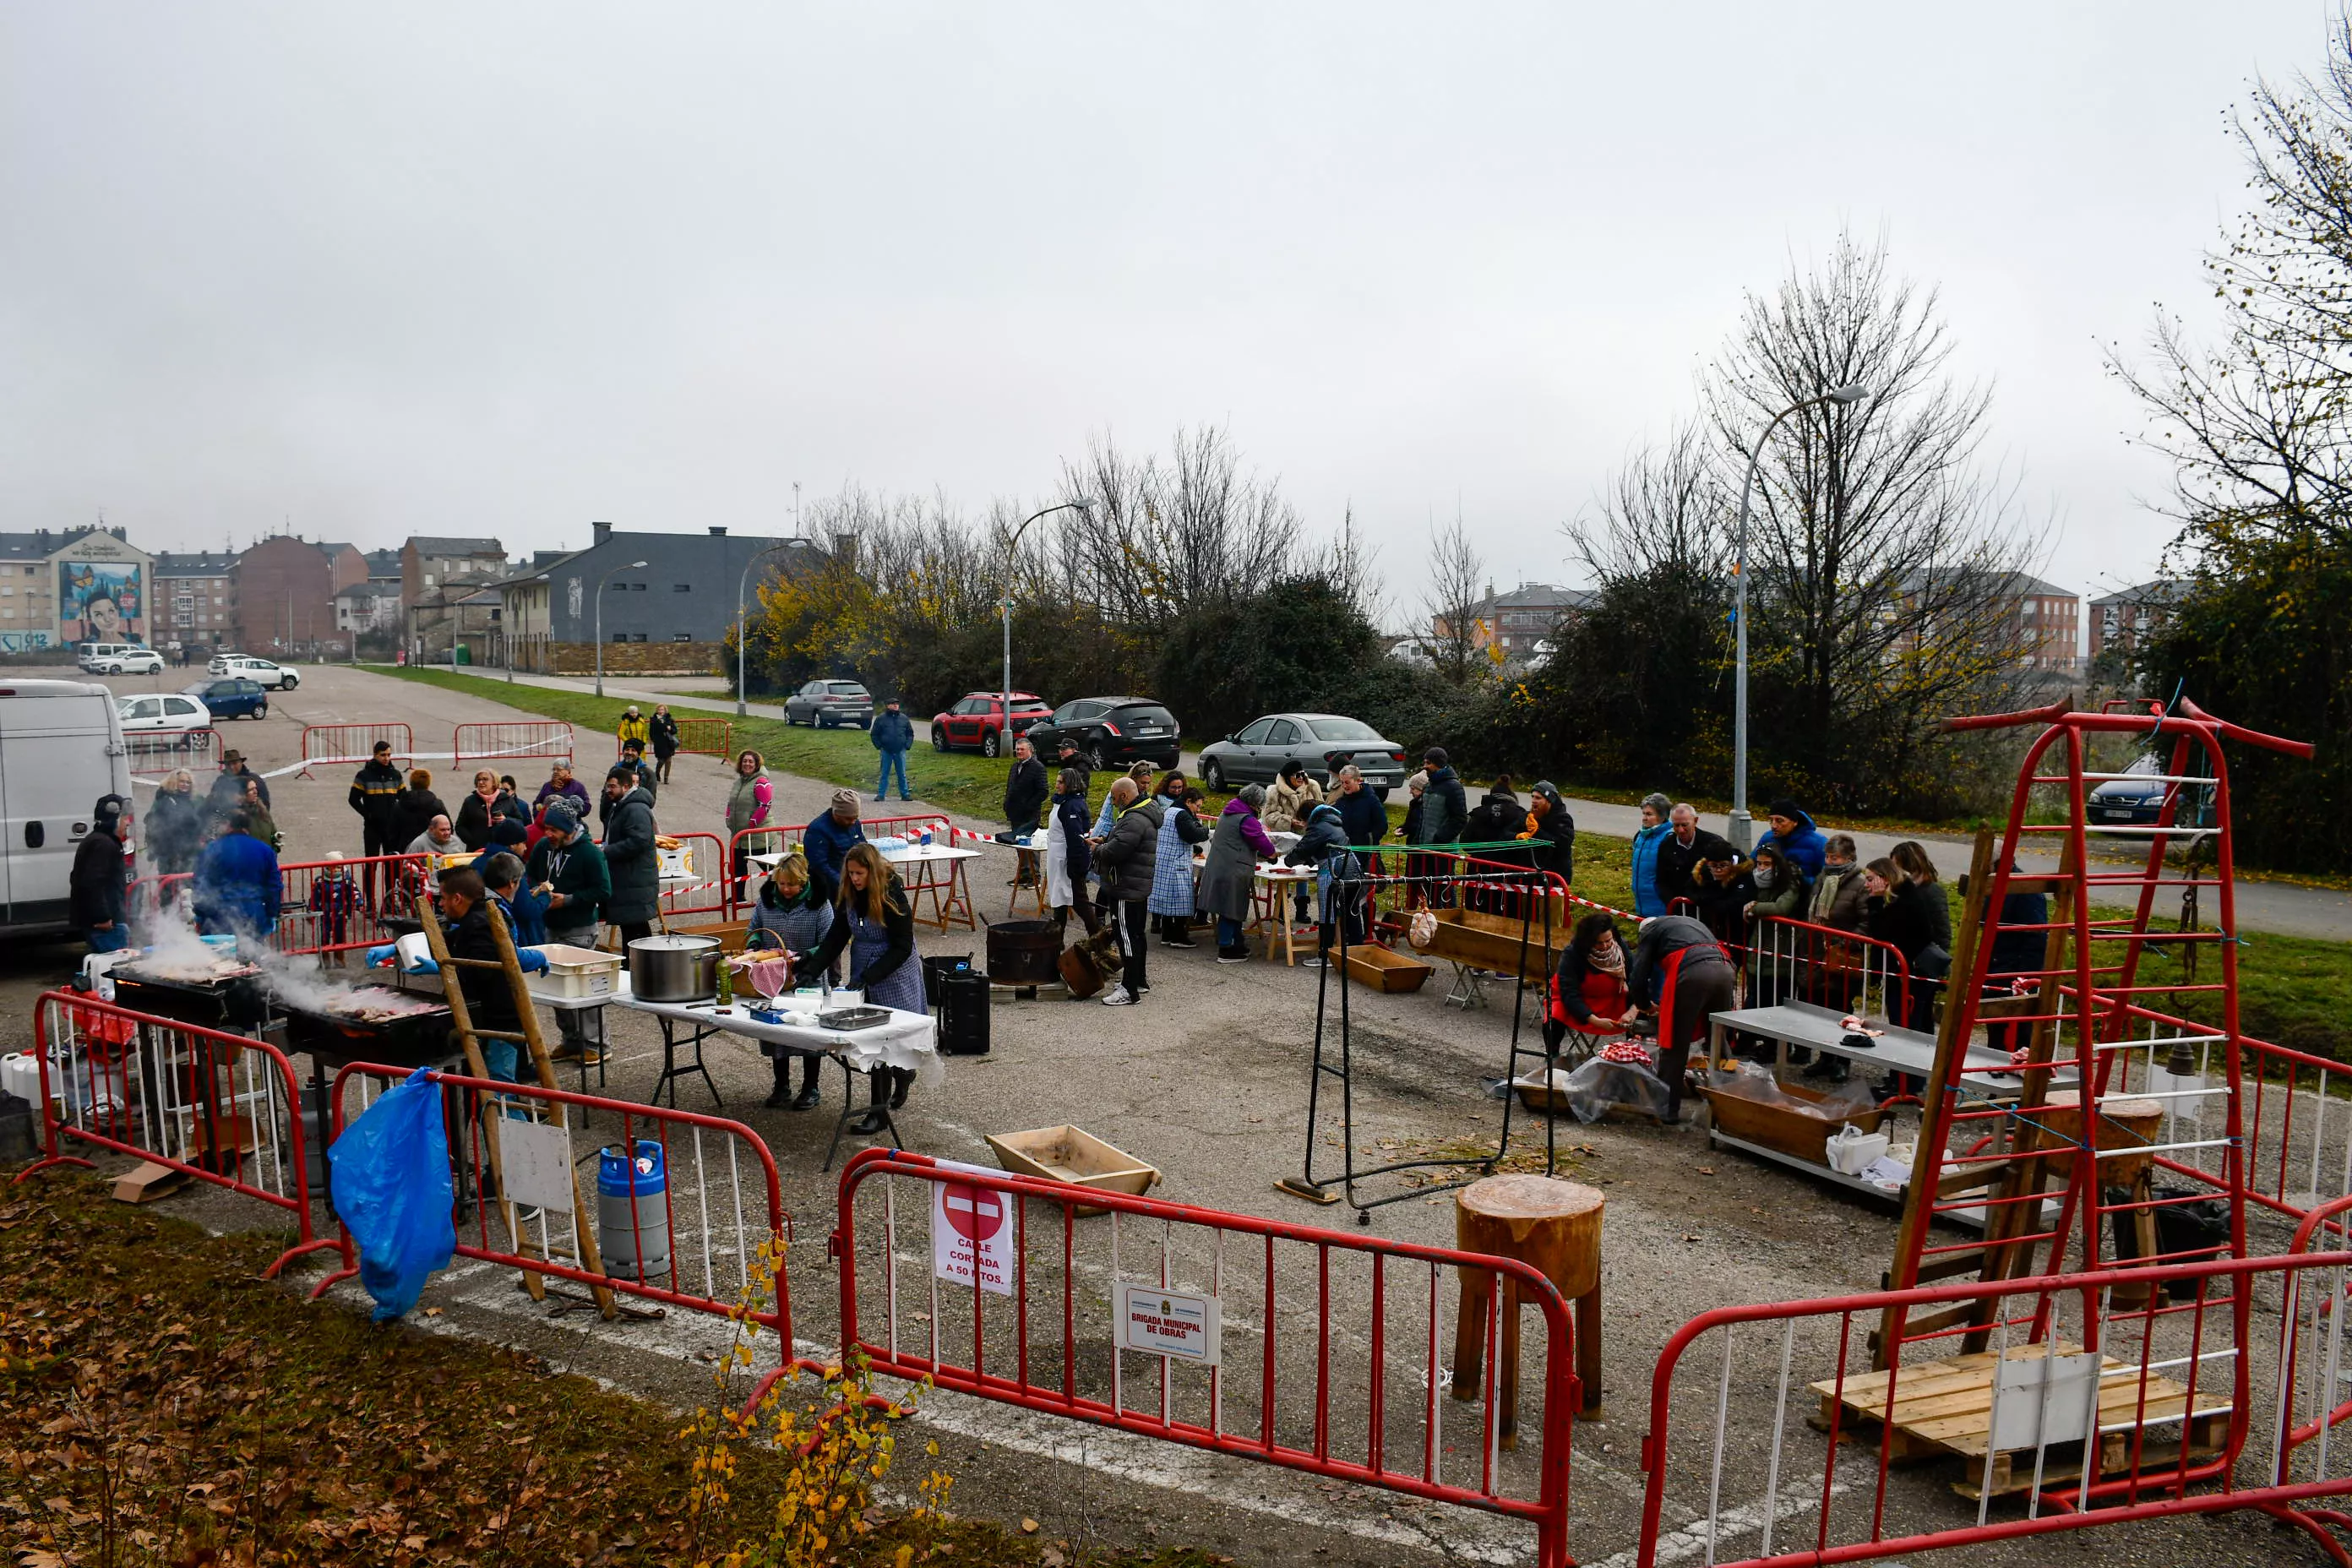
(1945, 1408)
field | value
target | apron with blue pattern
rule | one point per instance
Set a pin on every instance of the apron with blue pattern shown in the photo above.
(902, 988)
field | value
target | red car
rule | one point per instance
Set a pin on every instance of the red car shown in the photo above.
(978, 722)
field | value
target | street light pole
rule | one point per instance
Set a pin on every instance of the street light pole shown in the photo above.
(1742, 825)
(742, 632)
(1004, 694)
(624, 566)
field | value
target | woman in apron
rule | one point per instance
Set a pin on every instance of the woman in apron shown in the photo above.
(1173, 901)
(1068, 854)
(875, 922)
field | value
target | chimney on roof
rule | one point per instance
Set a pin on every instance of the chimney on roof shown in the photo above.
(602, 532)
(717, 532)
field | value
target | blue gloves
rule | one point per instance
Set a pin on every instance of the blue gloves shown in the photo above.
(533, 960)
(381, 957)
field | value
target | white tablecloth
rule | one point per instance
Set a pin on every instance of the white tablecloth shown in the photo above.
(908, 1041)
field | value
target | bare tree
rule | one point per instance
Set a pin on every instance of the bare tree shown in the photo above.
(1455, 606)
(1883, 559)
(1665, 507)
(2260, 427)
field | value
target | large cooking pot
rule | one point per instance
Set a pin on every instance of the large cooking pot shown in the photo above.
(673, 968)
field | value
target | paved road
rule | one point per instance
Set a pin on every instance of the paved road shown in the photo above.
(2262, 906)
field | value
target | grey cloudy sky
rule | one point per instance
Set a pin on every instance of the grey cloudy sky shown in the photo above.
(506, 268)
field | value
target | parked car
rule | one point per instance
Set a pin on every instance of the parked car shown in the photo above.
(2138, 797)
(1326, 743)
(827, 703)
(170, 711)
(1111, 732)
(118, 659)
(233, 697)
(260, 671)
(979, 721)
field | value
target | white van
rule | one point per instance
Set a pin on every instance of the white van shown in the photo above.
(60, 749)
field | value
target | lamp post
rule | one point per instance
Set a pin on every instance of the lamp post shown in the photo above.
(624, 566)
(1004, 696)
(742, 632)
(1742, 825)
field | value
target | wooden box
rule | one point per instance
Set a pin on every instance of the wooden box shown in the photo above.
(1384, 970)
(1076, 1155)
(1791, 1129)
(1492, 941)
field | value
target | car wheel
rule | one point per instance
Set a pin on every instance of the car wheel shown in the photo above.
(939, 739)
(1212, 775)
(114, 669)
(261, 710)
(289, 683)
(989, 746)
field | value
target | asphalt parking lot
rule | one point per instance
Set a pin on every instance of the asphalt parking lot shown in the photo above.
(1207, 1080)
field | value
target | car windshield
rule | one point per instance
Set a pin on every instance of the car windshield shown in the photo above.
(1342, 729)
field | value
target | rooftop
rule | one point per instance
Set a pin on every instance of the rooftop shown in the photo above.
(196, 563)
(437, 544)
(2158, 591)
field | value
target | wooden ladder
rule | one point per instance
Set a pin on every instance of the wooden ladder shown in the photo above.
(510, 966)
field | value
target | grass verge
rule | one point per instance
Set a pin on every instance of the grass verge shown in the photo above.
(164, 1404)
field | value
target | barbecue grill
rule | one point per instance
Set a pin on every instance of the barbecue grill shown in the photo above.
(234, 1002)
(369, 1024)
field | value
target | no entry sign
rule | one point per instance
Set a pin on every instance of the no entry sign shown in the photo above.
(972, 1236)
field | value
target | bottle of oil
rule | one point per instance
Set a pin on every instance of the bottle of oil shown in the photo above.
(726, 986)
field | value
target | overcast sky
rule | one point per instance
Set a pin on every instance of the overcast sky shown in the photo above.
(506, 268)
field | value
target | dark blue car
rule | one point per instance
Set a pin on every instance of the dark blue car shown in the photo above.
(232, 697)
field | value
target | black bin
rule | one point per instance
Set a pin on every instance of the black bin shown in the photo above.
(936, 967)
(963, 1014)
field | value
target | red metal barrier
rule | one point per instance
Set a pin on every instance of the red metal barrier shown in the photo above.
(506, 739)
(333, 745)
(706, 889)
(147, 894)
(704, 1201)
(152, 753)
(1033, 1350)
(313, 916)
(153, 1088)
(706, 737)
(2170, 1363)
(777, 837)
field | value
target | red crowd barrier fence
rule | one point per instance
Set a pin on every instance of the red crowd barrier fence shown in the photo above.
(706, 737)
(1203, 1294)
(318, 913)
(713, 1244)
(336, 745)
(146, 895)
(506, 740)
(221, 1108)
(775, 837)
(152, 753)
(1735, 1389)
(1797, 961)
(700, 885)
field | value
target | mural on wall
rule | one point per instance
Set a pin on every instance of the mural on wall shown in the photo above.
(101, 601)
(24, 642)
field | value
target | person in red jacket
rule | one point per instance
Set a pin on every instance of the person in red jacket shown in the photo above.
(1588, 987)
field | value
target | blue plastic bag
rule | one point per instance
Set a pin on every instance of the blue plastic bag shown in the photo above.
(390, 1176)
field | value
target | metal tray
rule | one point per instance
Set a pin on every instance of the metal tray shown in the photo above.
(853, 1018)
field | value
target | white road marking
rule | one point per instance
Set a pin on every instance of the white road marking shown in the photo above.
(1690, 1541)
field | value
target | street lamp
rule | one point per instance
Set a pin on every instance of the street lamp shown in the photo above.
(1742, 825)
(1004, 696)
(624, 566)
(743, 634)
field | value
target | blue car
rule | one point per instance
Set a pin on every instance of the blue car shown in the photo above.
(233, 698)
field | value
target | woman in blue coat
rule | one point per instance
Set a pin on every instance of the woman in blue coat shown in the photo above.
(1655, 810)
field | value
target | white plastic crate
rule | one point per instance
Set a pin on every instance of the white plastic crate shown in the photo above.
(578, 971)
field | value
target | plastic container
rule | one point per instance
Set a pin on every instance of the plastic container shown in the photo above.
(637, 1182)
(576, 971)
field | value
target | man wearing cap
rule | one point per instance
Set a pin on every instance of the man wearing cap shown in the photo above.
(228, 790)
(94, 893)
(567, 871)
(633, 727)
(375, 795)
(893, 734)
(827, 840)
(1799, 841)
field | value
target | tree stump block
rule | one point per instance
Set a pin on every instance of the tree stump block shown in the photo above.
(1553, 1226)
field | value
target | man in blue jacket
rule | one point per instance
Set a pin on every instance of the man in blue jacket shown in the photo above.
(236, 883)
(1794, 835)
(827, 840)
(894, 735)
